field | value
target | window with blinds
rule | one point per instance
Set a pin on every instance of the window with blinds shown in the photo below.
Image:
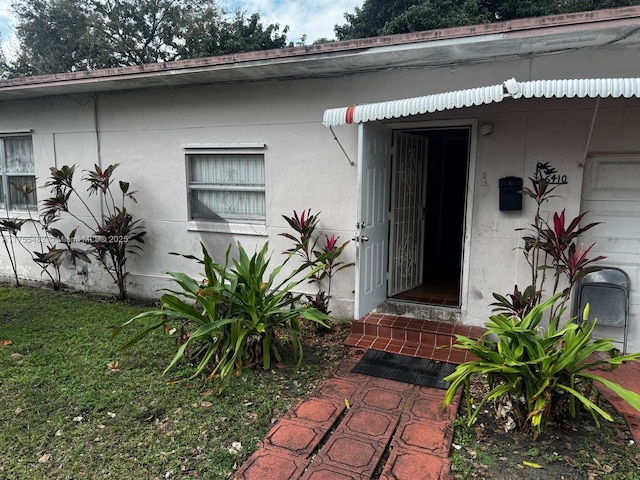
(17, 171)
(226, 187)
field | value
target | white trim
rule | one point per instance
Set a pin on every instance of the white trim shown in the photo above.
(468, 221)
(18, 131)
(234, 228)
(217, 146)
(564, 88)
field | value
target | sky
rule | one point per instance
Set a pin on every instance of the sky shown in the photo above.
(316, 18)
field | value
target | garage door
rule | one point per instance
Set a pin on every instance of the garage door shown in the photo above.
(611, 195)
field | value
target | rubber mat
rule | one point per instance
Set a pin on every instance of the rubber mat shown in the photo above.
(417, 371)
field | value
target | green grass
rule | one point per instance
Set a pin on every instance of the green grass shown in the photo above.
(66, 414)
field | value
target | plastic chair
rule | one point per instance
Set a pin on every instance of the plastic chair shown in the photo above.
(606, 290)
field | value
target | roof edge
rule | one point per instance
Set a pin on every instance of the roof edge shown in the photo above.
(283, 54)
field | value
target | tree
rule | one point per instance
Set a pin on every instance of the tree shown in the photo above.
(71, 35)
(381, 17)
(509, 9)
(56, 36)
(208, 35)
(3, 63)
(138, 32)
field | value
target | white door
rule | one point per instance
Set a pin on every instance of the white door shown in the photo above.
(611, 195)
(374, 167)
(408, 197)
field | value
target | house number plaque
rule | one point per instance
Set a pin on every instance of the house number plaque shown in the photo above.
(550, 174)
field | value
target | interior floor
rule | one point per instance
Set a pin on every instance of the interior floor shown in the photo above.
(433, 294)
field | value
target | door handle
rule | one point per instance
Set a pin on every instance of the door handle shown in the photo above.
(364, 239)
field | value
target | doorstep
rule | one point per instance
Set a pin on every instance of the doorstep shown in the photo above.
(414, 337)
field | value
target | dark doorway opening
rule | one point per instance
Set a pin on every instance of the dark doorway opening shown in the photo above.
(444, 215)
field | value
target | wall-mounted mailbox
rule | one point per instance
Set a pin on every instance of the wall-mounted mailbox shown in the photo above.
(510, 196)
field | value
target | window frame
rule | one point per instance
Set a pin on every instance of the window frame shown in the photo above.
(237, 226)
(5, 175)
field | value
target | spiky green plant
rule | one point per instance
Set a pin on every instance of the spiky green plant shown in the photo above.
(549, 368)
(230, 317)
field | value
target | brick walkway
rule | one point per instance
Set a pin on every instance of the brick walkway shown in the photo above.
(395, 427)
(390, 430)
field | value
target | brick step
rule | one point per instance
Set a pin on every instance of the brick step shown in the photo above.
(411, 336)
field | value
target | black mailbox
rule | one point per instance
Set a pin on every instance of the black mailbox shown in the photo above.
(510, 193)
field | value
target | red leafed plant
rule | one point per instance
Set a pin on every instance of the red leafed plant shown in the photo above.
(305, 244)
(552, 248)
(113, 234)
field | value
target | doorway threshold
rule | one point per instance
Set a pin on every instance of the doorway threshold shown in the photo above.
(438, 295)
(413, 309)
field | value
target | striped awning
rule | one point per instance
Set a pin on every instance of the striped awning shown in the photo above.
(566, 88)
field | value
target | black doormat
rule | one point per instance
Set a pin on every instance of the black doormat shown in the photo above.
(417, 371)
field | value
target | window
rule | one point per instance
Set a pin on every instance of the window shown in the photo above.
(17, 171)
(226, 187)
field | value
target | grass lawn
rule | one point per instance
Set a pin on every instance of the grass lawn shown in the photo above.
(68, 410)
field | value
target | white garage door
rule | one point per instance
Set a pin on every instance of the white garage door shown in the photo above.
(611, 195)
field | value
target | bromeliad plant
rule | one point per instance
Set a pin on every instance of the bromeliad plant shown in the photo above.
(305, 244)
(545, 373)
(229, 319)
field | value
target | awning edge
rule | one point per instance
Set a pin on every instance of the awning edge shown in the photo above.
(561, 88)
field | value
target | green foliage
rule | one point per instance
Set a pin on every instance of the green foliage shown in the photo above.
(305, 244)
(547, 248)
(381, 17)
(54, 245)
(518, 303)
(62, 365)
(114, 234)
(9, 229)
(69, 35)
(55, 36)
(229, 319)
(549, 369)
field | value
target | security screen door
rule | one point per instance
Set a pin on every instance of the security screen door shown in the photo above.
(408, 207)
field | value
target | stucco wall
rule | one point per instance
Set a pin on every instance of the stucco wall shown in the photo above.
(145, 132)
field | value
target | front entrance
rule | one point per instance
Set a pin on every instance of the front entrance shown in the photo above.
(413, 189)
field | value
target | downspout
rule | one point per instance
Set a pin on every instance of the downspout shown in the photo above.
(96, 126)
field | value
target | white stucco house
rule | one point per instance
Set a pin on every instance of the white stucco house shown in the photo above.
(328, 127)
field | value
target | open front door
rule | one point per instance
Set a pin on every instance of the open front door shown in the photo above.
(374, 166)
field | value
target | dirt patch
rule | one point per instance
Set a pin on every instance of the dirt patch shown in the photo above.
(564, 450)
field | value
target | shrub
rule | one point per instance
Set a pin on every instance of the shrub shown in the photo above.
(305, 244)
(548, 248)
(230, 318)
(114, 234)
(543, 372)
(50, 256)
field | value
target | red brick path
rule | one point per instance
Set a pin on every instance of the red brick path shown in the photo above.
(395, 429)
(392, 430)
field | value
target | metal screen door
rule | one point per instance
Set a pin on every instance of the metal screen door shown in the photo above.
(408, 197)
